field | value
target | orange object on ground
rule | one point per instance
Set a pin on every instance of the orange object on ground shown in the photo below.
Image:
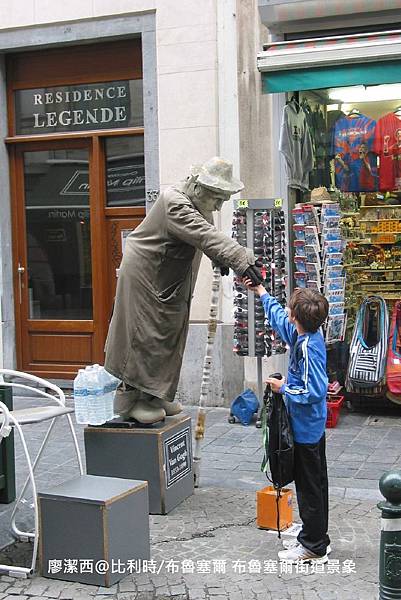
(266, 508)
(334, 404)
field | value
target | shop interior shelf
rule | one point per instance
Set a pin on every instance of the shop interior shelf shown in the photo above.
(379, 206)
(377, 220)
(380, 270)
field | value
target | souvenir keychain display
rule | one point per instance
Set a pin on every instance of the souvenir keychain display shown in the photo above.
(261, 228)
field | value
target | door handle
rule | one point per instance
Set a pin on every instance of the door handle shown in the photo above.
(21, 271)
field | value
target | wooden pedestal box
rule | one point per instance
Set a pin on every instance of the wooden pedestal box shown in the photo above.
(266, 508)
(92, 527)
(160, 454)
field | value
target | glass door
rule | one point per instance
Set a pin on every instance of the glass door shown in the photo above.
(57, 228)
(58, 236)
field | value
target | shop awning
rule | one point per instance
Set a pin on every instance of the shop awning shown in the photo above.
(283, 16)
(365, 59)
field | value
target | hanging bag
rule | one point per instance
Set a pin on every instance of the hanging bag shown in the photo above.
(368, 350)
(393, 368)
(278, 439)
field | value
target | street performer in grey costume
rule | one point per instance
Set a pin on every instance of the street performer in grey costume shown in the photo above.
(149, 326)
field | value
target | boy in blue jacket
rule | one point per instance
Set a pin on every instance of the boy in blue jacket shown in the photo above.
(304, 393)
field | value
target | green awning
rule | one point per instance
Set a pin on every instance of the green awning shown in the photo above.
(370, 73)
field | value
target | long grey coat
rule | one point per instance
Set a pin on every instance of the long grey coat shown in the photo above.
(149, 327)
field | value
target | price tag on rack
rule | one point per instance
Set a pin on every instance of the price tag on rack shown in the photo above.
(243, 203)
(278, 202)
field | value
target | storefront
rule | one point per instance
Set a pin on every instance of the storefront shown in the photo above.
(337, 98)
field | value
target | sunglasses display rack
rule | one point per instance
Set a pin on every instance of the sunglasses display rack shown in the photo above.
(258, 225)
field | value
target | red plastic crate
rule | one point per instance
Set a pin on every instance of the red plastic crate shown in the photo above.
(333, 410)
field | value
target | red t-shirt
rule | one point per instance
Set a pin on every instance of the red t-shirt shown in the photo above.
(387, 145)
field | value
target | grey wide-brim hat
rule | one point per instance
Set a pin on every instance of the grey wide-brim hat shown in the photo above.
(217, 174)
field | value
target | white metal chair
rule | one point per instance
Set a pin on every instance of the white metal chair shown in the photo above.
(16, 419)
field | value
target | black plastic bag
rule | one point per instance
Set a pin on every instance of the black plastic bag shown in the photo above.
(278, 439)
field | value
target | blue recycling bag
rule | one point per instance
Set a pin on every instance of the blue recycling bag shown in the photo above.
(245, 406)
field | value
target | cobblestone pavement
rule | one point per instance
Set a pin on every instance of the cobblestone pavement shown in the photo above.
(214, 533)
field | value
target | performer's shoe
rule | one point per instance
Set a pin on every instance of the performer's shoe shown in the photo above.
(171, 408)
(124, 400)
(146, 412)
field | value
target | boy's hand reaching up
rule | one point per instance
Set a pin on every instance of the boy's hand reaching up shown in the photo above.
(275, 384)
(258, 289)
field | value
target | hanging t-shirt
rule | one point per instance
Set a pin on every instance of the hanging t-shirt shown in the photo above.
(296, 146)
(355, 163)
(387, 145)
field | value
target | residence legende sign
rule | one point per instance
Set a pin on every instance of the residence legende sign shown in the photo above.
(73, 108)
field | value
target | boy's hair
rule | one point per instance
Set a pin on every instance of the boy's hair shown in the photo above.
(309, 308)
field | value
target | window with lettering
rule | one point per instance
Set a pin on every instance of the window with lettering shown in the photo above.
(125, 173)
(107, 105)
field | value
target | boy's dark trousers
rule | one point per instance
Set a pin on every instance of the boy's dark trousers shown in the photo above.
(311, 485)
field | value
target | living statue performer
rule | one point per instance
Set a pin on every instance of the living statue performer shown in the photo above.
(149, 326)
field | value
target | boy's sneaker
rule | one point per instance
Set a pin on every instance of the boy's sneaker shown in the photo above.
(292, 543)
(301, 554)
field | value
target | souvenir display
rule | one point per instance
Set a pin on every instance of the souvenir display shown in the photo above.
(296, 145)
(387, 146)
(355, 162)
(346, 221)
(319, 261)
(265, 234)
(368, 351)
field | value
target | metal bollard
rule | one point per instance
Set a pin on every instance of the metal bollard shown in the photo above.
(390, 539)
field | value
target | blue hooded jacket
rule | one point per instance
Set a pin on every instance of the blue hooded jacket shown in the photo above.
(306, 387)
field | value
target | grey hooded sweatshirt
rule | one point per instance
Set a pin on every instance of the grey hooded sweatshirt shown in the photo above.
(296, 146)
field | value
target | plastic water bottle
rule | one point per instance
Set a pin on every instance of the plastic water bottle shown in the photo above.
(111, 384)
(95, 396)
(104, 379)
(80, 397)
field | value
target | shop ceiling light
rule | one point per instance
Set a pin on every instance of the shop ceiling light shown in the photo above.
(361, 93)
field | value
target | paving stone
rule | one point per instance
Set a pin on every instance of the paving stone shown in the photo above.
(162, 591)
(196, 593)
(86, 596)
(363, 494)
(126, 585)
(111, 591)
(145, 587)
(177, 589)
(236, 596)
(68, 593)
(86, 589)
(124, 596)
(326, 595)
(55, 589)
